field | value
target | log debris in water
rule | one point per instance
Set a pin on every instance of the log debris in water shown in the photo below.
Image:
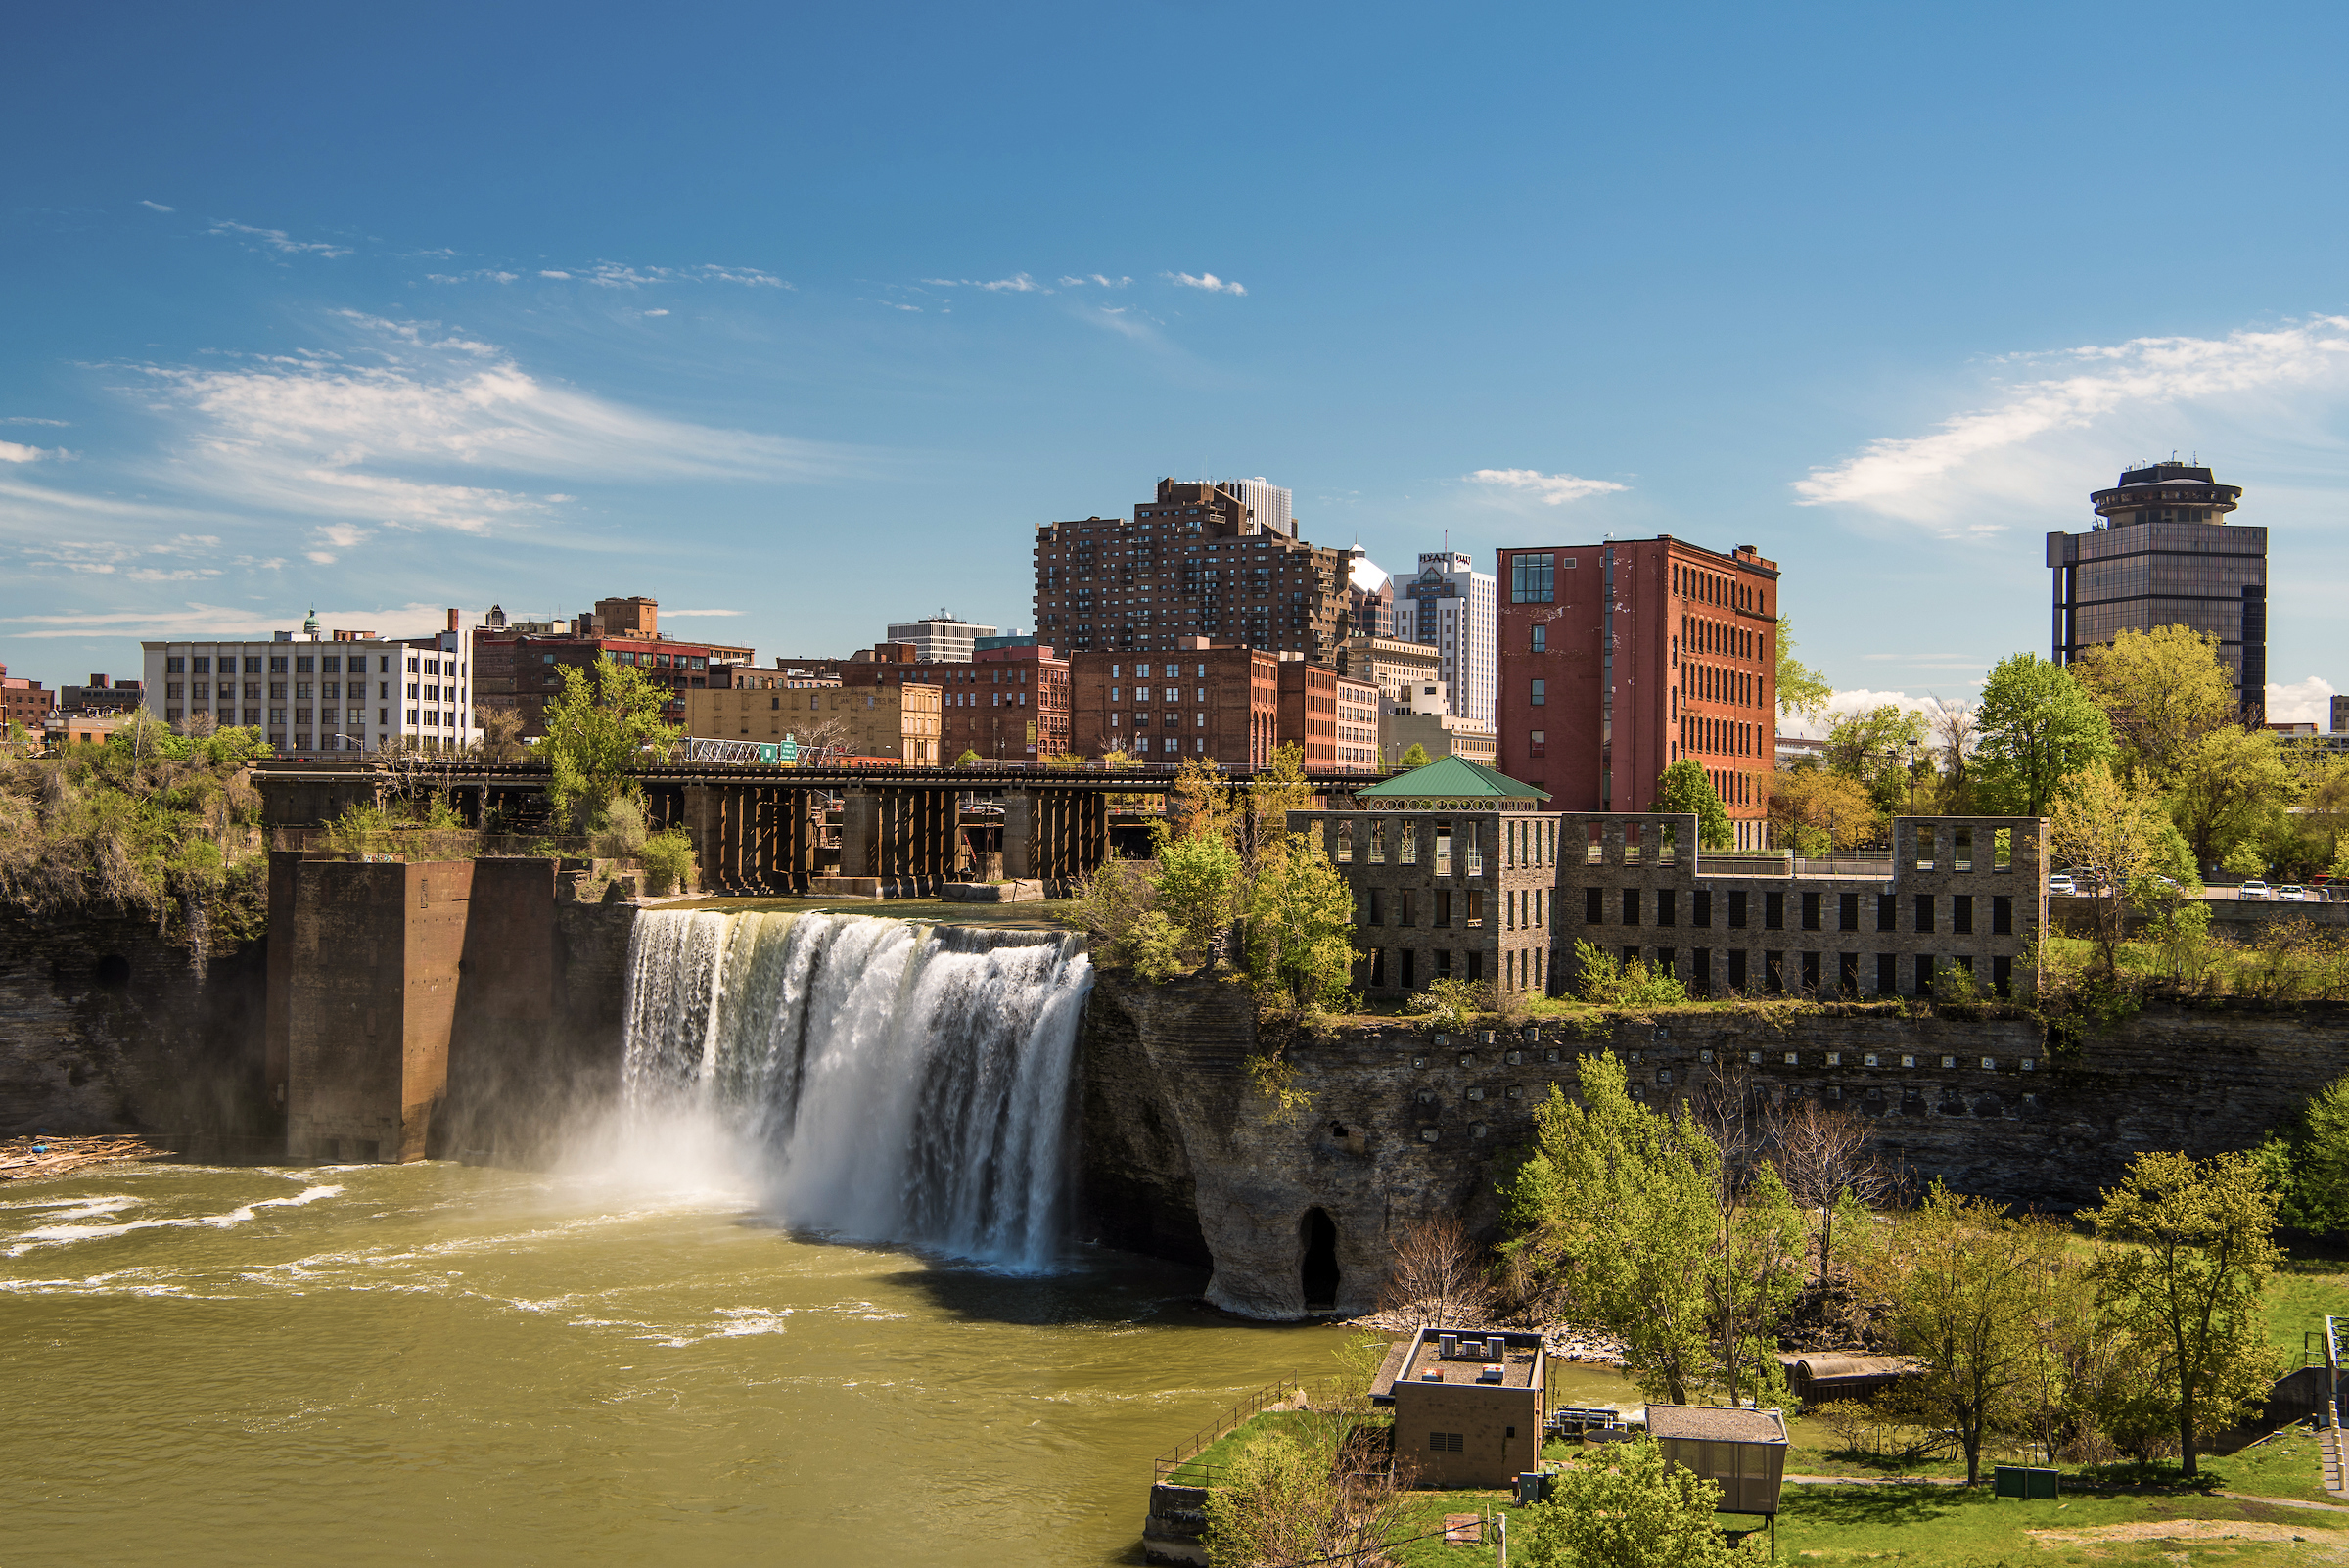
(43, 1156)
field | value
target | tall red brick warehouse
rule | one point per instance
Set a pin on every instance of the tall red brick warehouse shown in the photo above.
(1621, 657)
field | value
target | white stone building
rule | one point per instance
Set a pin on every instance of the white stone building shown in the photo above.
(1456, 609)
(311, 692)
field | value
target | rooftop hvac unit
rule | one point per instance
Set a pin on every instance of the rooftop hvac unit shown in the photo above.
(1448, 1345)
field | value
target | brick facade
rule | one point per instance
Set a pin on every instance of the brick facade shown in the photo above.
(1009, 705)
(1217, 702)
(1619, 659)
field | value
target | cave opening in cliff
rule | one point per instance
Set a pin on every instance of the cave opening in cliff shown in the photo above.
(1320, 1269)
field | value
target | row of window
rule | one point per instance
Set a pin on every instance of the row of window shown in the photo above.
(1521, 969)
(1521, 842)
(1812, 910)
(1813, 979)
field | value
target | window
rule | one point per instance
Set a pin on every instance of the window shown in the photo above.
(1540, 694)
(1736, 964)
(2001, 916)
(1700, 908)
(1924, 916)
(1537, 741)
(1665, 905)
(1594, 905)
(1811, 911)
(1445, 1443)
(1540, 638)
(177, 666)
(1442, 908)
(1631, 906)
(276, 663)
(1774, 911)
(1887, 910)
(1962, 914)
(302, 665)
(1532, 576)
(1888, 979)
(1737, 897)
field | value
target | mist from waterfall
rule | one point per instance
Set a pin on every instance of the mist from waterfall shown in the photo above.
(902, 1083)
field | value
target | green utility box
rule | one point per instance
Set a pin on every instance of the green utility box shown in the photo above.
(2022, 1481)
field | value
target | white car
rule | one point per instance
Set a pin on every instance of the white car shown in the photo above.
(2291, 893)
(2060, 885)
(2254, 888)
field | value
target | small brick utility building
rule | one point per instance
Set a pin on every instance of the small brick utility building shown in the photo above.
(1468, 1405)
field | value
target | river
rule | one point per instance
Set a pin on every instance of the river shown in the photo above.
(442, 1364)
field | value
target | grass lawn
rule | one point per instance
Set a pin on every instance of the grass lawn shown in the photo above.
(1203, 1470)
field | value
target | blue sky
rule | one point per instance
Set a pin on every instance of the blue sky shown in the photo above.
(798, 318)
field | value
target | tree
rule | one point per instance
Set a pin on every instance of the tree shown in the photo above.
(1802, 690)
(1301, 926)
(2189, 1245)
(1822, 1156)
(2119, 834)
(597, 729)
(1622, 1506)
(1437, 1278)
(1684, 787)
(1318, 1496)
(1878, 748)
(1955, 727)
(969, 758)
(1615, 1209)
(1278, 788)
(2314, 1172)
(1414, 756)
(501, 733)
(2225, 785)
(1964, 1280)
(1198, 891)
(2163, 690)
(1811, 800)
(2039, 728)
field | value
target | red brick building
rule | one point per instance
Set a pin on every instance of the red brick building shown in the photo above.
(522, 667)
(1009, 705)
(1200, 701)
(23, 702)
(1619, 659)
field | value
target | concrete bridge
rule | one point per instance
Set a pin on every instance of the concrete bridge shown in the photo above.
(776, 830)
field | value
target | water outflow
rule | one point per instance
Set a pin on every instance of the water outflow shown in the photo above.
(909, 1082)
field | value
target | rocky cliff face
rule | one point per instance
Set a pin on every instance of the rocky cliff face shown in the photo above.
(107, 1026)
(1181, 1158)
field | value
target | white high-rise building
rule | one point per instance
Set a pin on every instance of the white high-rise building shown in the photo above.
(1456, 609)
(940, 637)
(310, 691)
(1267, 505)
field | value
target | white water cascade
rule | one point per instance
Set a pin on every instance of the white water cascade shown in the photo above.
(908, 1082)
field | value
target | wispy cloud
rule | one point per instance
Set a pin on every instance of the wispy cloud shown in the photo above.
(198, 619)
(278, 241)
(32, 419)
(1017, 283)
(1551, 489)
(1096, 279)
(17, 452)
(672, 615)
(2091, 388)
(655, 313)
(480, 275)
(1204, 280)
(157, 206)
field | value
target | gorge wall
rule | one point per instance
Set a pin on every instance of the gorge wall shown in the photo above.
(1181, 1158)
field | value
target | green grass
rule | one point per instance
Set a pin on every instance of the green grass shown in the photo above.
(2298, 1297)
(1205, 1467)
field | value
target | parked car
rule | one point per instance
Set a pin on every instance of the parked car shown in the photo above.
(2059, 885)
(2254, 888)
(2293, 892)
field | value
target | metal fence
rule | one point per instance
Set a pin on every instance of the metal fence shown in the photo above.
(1178, 1465)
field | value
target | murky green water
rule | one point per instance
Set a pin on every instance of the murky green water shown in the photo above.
(446, 1364)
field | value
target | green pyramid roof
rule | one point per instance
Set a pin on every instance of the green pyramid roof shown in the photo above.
(1455, 777)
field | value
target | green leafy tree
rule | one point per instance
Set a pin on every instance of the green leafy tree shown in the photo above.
(969, 758)
(1314, 1496)
(1414, 756)
(1965, 1283)
(2310, 1170)
(1447, 1006)
(1198, 891)
(1802, 690)
(2163, 690)
(1684, 787)
(2225, 788)
(2245, 859)
(2189, 1244)
(598, 729)
(1815, 810)
(1878, 748)
(2100, 823)
(1623, 1505)
(1606, 981)
(1301, 927)
(1615, 1209)
(2038, 728)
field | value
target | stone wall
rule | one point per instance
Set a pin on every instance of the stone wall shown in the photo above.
(1181, 1158)
(107, 1026)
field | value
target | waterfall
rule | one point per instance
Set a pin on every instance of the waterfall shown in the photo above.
(908, 1082)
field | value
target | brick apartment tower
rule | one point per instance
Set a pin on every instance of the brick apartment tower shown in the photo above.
(1617, 660)
(1194, 562)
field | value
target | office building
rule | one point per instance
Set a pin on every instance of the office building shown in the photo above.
(1619, 659)
(2163, 554)
(1213, 700)
(1453, 609)
(23, 702)
(1265, 505)
(940, 638)
(1008, 703)
(1369, 597)
(2338, 724)
(311, 691)
(1189, 565)
(102, 694)
(1334, 718)
(521, 662)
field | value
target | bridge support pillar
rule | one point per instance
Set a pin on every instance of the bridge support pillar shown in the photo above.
(860, 824)
(1019, 834)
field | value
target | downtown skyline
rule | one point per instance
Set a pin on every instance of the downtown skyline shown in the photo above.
(801, 324)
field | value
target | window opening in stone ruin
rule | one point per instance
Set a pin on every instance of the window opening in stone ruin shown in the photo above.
(1402, 897)
(1408, 851)
(1631, 844)
(1925, 848)
(1774, 911)
(1476, 907)
(1344, 853)
(1700, 908)
(1962, 852)
(2002, 851)
(1924, 914)
(1736, 969)
(1700, 970)
(1472, 848)
(1811, 974)
(2001, 916)
(1378, 908)
(1594, 909)
(1444, 963)
(1593, 850)
(1665, 900)
(1737, 910)
(1378, 967)
(1442, 908)
(1847, 974)
(1667, 850)
(1409, 966)
(1631, 906)
(1774, 972)
(1847, 911)
(1443, 849)
(1962, 914)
